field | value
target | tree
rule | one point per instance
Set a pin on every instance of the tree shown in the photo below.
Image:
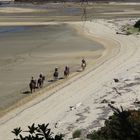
(40, 132)
(122, 125)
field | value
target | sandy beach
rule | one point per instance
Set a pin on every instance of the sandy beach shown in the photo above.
(27, 51)
(81, 102)
(120, 60)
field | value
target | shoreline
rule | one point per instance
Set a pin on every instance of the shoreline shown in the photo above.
(108, 53)
(49, 86)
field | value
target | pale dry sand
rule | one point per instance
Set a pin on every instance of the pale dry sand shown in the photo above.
(76, 104)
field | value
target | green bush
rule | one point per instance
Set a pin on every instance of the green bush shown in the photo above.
(122, 125)
(76, 133)
(40, 132)
(137, 24)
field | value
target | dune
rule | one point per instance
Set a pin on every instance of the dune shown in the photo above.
(82, 101)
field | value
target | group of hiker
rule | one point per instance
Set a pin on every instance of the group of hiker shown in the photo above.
(35, 84)
(66, 73)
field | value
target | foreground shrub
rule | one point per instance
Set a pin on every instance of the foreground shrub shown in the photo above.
(76, 133)
(40, 132)
(122, 125)
(137, 24)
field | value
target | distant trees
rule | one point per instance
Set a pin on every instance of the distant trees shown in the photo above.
(28, 1)
(84, 1)
(122, 125)
(40, 132)
(55, 1)
(81, 0)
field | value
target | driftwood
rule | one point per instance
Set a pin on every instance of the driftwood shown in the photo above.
(116, 110)
(114, 88)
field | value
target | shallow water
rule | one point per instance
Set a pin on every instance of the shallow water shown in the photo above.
(28, 51)
(11, 29)
(35, 40)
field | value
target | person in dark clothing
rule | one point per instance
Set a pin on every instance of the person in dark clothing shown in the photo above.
(83, 65)
(66, 71)
(55, 74)
(32, 85)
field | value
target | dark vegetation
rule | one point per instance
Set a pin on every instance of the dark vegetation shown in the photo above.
(76, 134)
(137, 24)
(131, 29)
(122, 125)
(40, 132)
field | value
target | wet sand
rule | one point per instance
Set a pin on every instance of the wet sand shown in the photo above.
(25, 12)
(27, 51)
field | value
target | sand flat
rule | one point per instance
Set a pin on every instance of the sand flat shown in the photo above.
(27, 51)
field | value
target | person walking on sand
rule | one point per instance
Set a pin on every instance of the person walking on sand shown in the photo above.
(66, 71)
(55, 74)
(84, 64)
(32, 84)
(43, 78)
(40, 81)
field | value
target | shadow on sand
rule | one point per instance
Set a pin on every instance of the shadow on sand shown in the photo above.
(26, 92)
(79, 70)
(53, 80)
